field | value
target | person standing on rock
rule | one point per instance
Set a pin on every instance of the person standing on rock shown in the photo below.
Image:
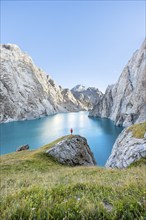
(71, 131)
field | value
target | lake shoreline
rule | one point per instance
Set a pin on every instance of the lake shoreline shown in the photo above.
(100, 133)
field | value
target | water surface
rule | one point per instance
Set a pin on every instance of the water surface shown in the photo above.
(100, 133)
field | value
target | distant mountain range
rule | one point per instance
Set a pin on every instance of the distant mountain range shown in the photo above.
(27, 92)
(87, 96)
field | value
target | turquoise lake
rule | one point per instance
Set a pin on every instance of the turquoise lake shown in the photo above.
(100, 133)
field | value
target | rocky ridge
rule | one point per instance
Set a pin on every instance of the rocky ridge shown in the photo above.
(73, 151)
(88, 96)
(27, 92)
(126, 150)
(125, 101)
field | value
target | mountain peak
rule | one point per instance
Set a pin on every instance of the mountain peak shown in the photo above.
(78, 88)
(10, 47)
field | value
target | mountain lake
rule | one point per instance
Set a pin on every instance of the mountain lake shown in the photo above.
(100, 133)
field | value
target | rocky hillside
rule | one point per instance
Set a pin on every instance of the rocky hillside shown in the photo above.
(125, 102)
(26, 92)
(88, 96)
(129, 147)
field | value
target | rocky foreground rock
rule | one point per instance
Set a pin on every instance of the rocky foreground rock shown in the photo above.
(27, 92)
(125, 102)
(126, 150)
(73, 151)
(23, 147)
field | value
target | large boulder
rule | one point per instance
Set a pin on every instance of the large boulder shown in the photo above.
(127, 149)
(73, 151)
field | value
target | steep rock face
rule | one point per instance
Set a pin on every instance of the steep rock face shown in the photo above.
(73, 151)
(88, 96)
(126, 150)
(22, 93)
(26, 92)
(125, 102)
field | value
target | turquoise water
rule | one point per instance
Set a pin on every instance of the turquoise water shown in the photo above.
(100, 133)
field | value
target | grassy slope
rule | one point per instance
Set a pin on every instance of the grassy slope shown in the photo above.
(34, 186)
(138, 130)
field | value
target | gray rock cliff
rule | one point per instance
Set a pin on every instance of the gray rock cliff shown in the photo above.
(88, 96)
(21, 92)
(126, 150)
(27, 92)
(125, 102)
(73, 151)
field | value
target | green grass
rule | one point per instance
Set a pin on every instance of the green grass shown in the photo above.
(36, 187)
(138, 130)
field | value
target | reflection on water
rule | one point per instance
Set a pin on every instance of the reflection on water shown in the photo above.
(100, 133)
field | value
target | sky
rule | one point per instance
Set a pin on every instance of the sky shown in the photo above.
(76, 42)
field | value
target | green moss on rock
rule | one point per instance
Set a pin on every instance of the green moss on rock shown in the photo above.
(138, 130)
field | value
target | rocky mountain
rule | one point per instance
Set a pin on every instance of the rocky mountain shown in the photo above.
(127, 148)
(27, 92)
(125, 101)
(88, 96)
(73, 151)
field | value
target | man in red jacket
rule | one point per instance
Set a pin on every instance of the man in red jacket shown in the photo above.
(71, 131)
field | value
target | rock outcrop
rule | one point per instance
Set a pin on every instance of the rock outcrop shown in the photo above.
(73, 151)
(125, 102)
(23, 147)
(26, 92)
(126, 150)
(88, 96)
